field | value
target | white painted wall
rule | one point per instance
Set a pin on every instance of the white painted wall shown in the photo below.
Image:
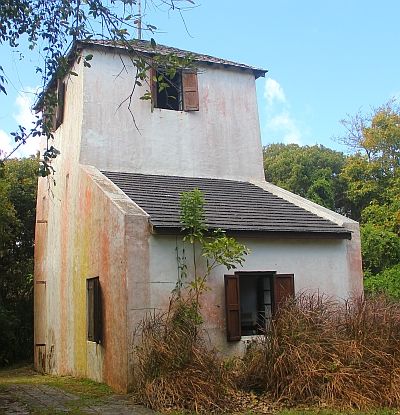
(318, 265)
(221, 140)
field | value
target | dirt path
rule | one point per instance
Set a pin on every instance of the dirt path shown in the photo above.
(23, 391)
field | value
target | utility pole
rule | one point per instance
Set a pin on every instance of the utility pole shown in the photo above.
(139, 20)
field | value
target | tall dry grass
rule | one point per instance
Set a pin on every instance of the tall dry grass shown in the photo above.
(175, 367)
(319, 351)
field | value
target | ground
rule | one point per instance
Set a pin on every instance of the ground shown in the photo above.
(23, 392)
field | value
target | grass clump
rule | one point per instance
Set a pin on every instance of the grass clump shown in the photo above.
(344, 355)
(175, 369)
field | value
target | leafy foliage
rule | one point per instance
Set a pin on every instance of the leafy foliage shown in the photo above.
(387, 281)
(380, 248)
(311, 172)
(17, 223)
(217, 248)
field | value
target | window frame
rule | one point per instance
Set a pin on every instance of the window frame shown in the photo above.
(187, 90)
(282, 287)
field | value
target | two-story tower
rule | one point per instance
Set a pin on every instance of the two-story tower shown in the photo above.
(107, 232)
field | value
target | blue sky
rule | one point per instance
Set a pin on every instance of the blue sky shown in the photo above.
(325, 59)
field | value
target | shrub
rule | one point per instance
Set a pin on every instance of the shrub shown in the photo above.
(387, 282)
(380, 248)
(175, 369)
(318, 351)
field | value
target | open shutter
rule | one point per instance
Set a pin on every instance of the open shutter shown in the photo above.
(190, 91)
(153, 87)
(94, 313)
(60, 103)
(283, 289)
(232, 305)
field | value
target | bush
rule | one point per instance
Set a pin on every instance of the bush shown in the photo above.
(175, 370)
(387, 282)
(318, 351)
(380, 248)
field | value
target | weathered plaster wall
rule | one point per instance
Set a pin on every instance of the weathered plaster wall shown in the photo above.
(319, 265)
(205, 143)
(354, 273)
(56, 195)
(83, 225)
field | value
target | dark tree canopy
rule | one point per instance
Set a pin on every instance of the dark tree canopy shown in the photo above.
(18, 179)
(311, 172)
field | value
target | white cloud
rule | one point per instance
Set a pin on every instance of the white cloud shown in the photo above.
(284, 127)
(25, 117)
(280, 125)
(273, 92)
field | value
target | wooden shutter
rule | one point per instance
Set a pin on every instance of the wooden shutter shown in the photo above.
(283, 289)
(153, 87)
(232, 305)
(190, 91)
(60, 103)
(94, 312)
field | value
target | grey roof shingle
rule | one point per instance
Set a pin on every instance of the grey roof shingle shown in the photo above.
(229, 205)
(144, 46)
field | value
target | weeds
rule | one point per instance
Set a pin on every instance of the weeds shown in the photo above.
(175, 370)
(318, 351)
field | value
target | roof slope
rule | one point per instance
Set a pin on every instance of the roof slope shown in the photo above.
(229, 205)
(144, 46)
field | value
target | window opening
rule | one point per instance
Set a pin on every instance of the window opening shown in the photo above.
(94, 312)
(169, 91)
(255, 303)
(252, 299)
(178, 92)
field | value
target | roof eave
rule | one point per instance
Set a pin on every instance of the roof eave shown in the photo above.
(258, 72)
(262, 233)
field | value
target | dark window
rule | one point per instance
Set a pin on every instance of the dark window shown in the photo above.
(178, 92)
(94, 312)
(55, 115)
(252, 298)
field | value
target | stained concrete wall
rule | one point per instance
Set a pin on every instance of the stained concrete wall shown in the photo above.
(204, 143)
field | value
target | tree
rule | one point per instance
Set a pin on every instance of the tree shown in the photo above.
(52, 26)
(376, 134)
(311, 172)
(372, 174)
(18, 180)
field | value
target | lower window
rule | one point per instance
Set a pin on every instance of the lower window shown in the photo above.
(94, 311)
(252, 298)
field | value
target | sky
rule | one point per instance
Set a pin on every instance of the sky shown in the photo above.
(326, 59)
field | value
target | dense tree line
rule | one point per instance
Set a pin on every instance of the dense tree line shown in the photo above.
(364, 186)
(18, 182)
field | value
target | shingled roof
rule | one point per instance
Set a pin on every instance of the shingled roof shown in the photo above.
(229, 205)
(144, 46)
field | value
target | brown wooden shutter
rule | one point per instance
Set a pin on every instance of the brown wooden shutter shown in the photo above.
(153, 87)
(60, 103)
(190, 91)
(283, 289)
(94, 310)
(232, 305)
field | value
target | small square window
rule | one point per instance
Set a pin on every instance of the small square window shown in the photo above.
(252, 299)
(94, 310)
(177, 93)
